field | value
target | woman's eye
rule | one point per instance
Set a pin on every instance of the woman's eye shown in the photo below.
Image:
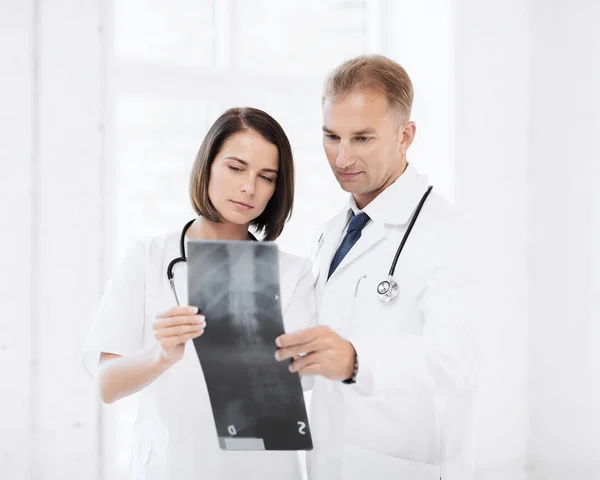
(268, 179)
(235, 169)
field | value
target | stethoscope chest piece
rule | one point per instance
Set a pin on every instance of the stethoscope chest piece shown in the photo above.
(387, 289)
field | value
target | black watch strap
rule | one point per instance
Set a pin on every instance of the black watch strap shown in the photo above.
(352, 378)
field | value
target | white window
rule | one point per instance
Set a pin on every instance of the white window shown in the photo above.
(181, 65)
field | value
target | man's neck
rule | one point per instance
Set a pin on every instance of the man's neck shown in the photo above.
(363, 200)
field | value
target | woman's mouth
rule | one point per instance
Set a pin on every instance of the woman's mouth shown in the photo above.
(241, 206)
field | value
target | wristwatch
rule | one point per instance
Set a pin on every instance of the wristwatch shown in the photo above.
(352, 378)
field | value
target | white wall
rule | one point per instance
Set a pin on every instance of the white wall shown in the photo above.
(52, 156)
(420, 35)
(16, 211)
(527, 170)
(565, 240)
(491, 186)
(507, 113)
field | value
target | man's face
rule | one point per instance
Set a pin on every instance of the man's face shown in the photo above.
(365, 143)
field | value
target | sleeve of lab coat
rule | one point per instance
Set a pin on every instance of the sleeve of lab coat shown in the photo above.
(119, 323)
(443, 360)
(301, 312)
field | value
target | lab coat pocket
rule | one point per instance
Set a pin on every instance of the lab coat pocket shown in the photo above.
(371, 315)
(334, 310)
(360, 463)
(150, 446)
(142, 458)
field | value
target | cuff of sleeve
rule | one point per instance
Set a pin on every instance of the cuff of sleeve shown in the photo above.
(89, 361)
(365, 381)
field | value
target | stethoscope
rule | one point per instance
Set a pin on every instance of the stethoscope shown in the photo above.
(183, 258)
(388, 289)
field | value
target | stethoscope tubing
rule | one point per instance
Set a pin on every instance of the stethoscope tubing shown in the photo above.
(183, 258)
(407, 233)
(383, 285)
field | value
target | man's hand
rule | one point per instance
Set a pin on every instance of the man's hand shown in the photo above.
(323, 351)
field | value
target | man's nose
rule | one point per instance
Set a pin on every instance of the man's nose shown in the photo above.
(344, 157)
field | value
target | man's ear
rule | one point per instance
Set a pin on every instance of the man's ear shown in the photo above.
(406, 133)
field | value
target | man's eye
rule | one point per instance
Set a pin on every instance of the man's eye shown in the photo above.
(332, 137)
(364, 139)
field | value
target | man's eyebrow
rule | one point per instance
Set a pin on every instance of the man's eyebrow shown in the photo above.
(364, 131)
(244, 162)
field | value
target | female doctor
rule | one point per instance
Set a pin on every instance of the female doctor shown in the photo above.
(140, 342)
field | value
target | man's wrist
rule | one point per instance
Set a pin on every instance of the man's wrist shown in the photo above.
(352, 378)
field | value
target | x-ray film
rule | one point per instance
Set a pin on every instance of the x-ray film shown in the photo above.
(257, 403)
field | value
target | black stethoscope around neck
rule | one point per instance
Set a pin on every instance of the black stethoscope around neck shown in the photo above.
(388, 289)
(182, 258)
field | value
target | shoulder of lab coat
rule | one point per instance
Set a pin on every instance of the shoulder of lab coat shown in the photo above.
(300, 312)
(119, 323)
(443, 360)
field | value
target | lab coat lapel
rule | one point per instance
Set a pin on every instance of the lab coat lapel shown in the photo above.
(404, 194)
(331, 240)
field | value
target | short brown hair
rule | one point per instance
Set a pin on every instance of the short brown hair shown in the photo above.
(372, 71)
(279, 209)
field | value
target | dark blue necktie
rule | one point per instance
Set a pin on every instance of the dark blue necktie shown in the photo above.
(357, 223)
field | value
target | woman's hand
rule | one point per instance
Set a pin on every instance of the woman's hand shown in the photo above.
(175, 327)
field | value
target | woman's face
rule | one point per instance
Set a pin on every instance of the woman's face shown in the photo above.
(243, 177)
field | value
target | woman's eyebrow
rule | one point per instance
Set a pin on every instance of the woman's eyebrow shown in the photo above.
(244, 162)
(236, 158)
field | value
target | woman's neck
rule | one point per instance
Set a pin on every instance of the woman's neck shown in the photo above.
(203, 229)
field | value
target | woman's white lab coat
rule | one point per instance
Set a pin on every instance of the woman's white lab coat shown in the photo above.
(409, 414)
(175, 434)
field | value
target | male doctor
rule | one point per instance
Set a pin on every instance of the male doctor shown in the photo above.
(395, 375)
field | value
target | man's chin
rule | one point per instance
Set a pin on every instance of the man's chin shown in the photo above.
(351, 187)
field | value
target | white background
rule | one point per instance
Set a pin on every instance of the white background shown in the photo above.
(103, 106)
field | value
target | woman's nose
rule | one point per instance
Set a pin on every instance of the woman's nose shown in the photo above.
(248, 186)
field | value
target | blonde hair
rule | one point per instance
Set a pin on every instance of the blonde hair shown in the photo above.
(372, 71)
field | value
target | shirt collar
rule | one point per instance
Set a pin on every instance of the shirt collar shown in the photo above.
(397, 202)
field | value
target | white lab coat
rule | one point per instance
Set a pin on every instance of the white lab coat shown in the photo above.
(409, 416)
(175, 435)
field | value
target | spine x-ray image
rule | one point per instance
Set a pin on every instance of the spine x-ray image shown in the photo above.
(257, 403)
